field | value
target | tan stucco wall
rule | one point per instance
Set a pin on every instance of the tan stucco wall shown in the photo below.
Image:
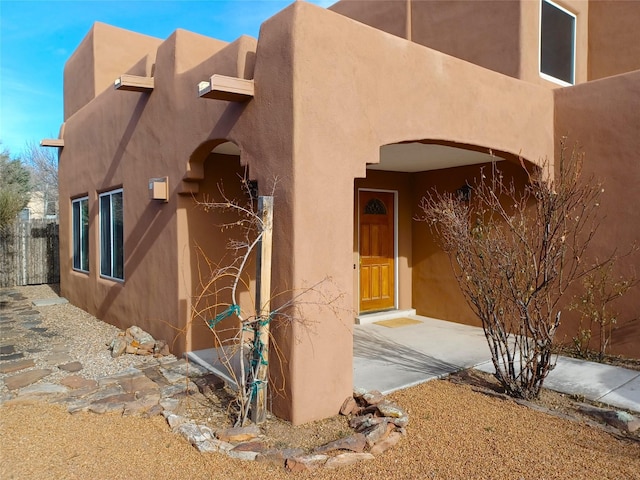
(602, 118)
(614, 37)
(329, 93)
(501, 35)
(105, 53)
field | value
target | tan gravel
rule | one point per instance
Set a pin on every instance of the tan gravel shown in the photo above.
(455, 433)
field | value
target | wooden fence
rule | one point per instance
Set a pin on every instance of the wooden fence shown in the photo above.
(29, 253)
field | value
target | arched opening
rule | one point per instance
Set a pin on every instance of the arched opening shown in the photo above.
(399, 268)
(218, 235)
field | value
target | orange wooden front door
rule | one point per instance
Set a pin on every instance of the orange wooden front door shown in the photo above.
(376, 239)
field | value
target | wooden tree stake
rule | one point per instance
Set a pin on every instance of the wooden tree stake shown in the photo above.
(263, 303)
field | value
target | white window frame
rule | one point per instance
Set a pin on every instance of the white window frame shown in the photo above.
(546, 76)
(79, 236)
(110, 274)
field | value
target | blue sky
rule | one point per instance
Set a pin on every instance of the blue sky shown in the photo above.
(37, 38)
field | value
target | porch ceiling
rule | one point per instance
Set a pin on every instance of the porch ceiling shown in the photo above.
(408, 157)
(418, 157)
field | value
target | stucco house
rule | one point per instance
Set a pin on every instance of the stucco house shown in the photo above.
(358, 110)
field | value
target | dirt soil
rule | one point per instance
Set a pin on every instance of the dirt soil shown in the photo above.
(455, 431)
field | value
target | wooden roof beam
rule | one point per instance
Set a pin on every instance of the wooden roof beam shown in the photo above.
(230, 89)
(133, 83)
(52, 142)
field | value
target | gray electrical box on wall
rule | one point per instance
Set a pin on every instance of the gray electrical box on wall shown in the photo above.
(159, 189)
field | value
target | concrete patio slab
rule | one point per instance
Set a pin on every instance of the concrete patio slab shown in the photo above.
(389, 359)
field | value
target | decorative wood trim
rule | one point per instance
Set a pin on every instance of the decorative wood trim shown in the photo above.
(133, 83)
(52, 142)
(230, 89)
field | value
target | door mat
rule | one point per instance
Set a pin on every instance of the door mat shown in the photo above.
(397, 322)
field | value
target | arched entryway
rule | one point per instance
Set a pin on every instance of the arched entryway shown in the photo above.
(399, 268)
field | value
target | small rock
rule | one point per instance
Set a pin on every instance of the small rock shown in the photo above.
(27, 378)
(242, 455)
(374, 397)
(138, 384)
(71, 367)
(363, 422)
(376, 433)
(76, 381)
(153, 411)
(239, 434)
(44, 389)
(345, 459)
(615, 418)
(161, 348)
(386, 444)
(174, 420)
(348, 406)
(389, 409)
(7, 349)
(305, 463)
(140, 335)
(195, 433)
(118, 346)
(355, 443)
(16, 366)
(141, 405)
(13, 356)
(58, 358)
(358, 392)
(277, 456)
(251, 447)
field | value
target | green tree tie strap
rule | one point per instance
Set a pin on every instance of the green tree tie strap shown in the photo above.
(230, 310)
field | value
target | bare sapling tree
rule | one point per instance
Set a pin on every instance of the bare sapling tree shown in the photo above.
(596, 307)
(245, 349)
(43, 166)
(514, 252)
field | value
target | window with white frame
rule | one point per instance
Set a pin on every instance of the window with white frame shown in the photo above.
(557, 43)
(111, 235)
(80, 223)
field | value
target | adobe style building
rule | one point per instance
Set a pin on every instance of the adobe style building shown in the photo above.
(357, 110)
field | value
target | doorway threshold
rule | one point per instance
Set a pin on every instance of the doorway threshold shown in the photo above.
(365, 318)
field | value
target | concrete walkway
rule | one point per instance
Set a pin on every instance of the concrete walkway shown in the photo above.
(389, 359)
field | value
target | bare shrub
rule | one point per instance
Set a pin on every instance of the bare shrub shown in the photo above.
(595, 305)
(514, 252)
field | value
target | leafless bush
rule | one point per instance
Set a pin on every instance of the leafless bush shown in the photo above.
(514, 252)
(595, 305)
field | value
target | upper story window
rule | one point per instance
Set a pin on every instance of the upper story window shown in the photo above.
(80, 223)
(557, 43)
(111, 235)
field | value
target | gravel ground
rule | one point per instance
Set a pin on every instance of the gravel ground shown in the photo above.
(454, 433)
(75, 332)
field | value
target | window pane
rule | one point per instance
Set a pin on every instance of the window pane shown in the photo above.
(84, 234)
(76, 234)
(105, 235)
(80, 227)
(118, 236)
(557, 43)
